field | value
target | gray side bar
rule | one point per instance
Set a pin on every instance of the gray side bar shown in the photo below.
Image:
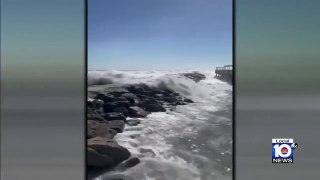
(278, 89)
(42, 89)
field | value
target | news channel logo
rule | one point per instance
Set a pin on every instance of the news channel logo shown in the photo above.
(283, 150)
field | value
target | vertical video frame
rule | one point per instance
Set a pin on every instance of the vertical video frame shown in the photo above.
(160, 90)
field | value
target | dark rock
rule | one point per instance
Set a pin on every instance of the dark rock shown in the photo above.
(95, 106)
(95, 116)
(95, 159)
(175, 94)
(104, 97)
(179, 103)
(120, 99)
(132, 98)
(122, 110)
(157, 92)
(117, 94)
(145, 100)
(114, 116)
(90, 110)
(151, 104)
(156, 107)
(131, 162)
(142, 89)
(110, 98)
(110, 106)
(169, 99)
(95, 128)
(188, 100)
(143, 97)
(137, 89)
(97, 103)
(117, 125)
(168, 91)
(195, 76)
(107, 113)
(90, 104)
(109, 148)
(136, 111)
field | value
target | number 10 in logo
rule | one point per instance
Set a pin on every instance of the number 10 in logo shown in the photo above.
(282, 150)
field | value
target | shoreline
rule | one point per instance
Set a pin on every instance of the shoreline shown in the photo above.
(120, 106)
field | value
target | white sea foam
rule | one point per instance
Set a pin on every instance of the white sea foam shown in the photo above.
(189, 142)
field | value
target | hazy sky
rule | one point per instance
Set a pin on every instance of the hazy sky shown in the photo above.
(159, 34)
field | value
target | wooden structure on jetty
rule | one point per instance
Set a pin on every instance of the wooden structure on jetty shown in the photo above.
(225, 73)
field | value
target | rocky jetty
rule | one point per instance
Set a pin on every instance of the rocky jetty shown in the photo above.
(108, 108)
(195, 76)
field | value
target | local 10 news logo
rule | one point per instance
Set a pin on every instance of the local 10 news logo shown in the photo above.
(283, 150)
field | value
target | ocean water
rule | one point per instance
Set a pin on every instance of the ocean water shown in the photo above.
(189, 142)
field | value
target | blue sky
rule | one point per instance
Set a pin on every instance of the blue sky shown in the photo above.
(159, 34)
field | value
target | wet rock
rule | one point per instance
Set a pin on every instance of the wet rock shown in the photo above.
(105, 97)
(115, 89)
(169, 99)
(121, 99)
(145, 100)
(97, 103)
(111, 106)
(122, 110)
(109, 148)
(195, 76)
(132, 98)
(110, 116)
(117, 125)
(95, 159)
(136, 111)
(179, 103)
(139, 89)
(114, 116)
(107, 89)
(133, 161)
(95, 129)
(188, 100)
(90, 105)
(95, 116)
(155, 107)
(150, 104)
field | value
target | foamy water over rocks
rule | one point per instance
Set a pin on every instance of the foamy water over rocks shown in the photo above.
(191, 141)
